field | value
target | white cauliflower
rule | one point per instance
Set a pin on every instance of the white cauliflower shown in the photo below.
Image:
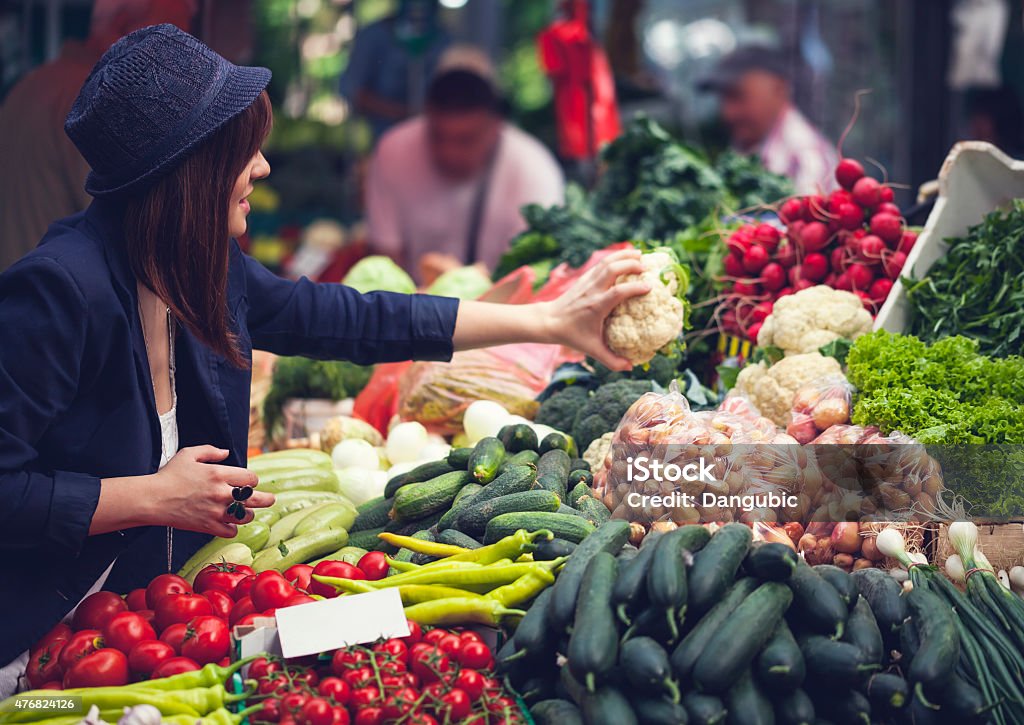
(804, 321)
(771, 389)
(343, 427)
(597, 451)
(639, 327)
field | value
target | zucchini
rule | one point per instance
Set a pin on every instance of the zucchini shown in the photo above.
(254, 534)
(550, 549)
(291, 458)
(462, 499)
(593, 510)
(291, 501)
(299, 550)
(594, 644)
(457, 538)
(884, 595)
(817, 606)
(418, 500)
(696, 641)
(666, 578)
(366, 539)
(302, 479)
(780, 665)
(704, 709)
(522, 458)
(747, 705)
(770, 561)
(659, 711)
(846, 707)
(841, 582)
(518, 437)
(458, 458)
(330, 516)
(485, 459)
(556, 712)
(732, 649)
(714, 567)
(474, 518)
(514, 479)
(795, 708)
(284, 529)
(578, 491)
(832, 663)
(371, 514)
(937, 657)
(647, 668)
(607, 706)
(533, 635)
(572, 528)
(608, 537)
(862, 631)
(419, 474)
(628, 595)
(553, 471)
(887, 691)
(577, 476)
(268, 517)
(579, 464)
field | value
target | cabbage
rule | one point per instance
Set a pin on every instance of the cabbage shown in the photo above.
(466, 283)
(379, 273)
(360, 485)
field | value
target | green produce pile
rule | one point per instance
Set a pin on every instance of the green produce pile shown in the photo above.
(977, 288)
(740, 633)
(589, 415)
(302, 377)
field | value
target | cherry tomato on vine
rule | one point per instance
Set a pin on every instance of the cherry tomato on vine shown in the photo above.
(336, 689)
(475, 655)
(471, 682)
(369, 716)
(365, 696)
(344, 660)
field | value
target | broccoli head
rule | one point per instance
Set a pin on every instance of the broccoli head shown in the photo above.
(662, 369)
(559, 411)
(605, 408)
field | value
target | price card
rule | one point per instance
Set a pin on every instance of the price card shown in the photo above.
(308, 629)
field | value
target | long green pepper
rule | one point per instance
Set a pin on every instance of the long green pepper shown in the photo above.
(511, 547)
(523, 589)
(486, 576)
(461, 610)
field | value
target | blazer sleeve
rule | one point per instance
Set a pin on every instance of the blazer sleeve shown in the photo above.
(332, 321)
(42, 339)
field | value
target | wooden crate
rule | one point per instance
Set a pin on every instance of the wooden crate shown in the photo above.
(1003, 544)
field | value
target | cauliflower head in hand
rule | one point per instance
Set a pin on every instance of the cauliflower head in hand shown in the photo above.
(771, 389)
(639, 327)
(806, 320)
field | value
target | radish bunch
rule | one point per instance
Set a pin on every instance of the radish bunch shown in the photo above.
(854, 239)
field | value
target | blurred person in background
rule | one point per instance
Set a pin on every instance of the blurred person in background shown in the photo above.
(994, 115)
(391, 64)
(44, 175)
(446, 187)
(756, 106)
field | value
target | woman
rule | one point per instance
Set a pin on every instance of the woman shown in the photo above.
(125, 338)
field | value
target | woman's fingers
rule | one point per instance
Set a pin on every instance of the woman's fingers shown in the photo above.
(207, 454)
(614, 296)
(235, 476)
(224, 530)
(612, 361)
(611, 272)
(260, 500)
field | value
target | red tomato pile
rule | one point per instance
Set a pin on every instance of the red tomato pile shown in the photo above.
(854, 239)
(431, 677)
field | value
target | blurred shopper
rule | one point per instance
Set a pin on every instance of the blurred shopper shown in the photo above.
(44, 175)
(391, 64)
(756, 106)
(452, 181)
(994, 115)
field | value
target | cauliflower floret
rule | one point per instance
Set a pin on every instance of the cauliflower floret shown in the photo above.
(597, 451)
(771, 389)
(804, 321)
(639, 327)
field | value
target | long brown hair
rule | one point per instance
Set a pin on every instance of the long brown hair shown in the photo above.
(177, 231)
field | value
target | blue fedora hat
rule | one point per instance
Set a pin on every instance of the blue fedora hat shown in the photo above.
(154, 96)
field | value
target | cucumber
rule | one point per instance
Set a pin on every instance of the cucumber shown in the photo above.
(666, 578)
(963, 701)
(795, 708)
(418, 500)
(608, 537)
(817, 606)
(910, 640)
(594, 644)
(577, 476)
(523, 458)
(832, 663)
(518, 437)
(887, 691)
(937, 657)
(577, 492)
(408, 528)
(284, 529)
(299, 550)
(572, 528)
(570, 511)
(780, 665)
(533, 635)
(841, 582)
(458, 458)
(846, 707)
(732, 649)
(463, 498)
(704, 709)
(514, 479)
(485, 459)
(268, 517)
(553, 470)
(556, 712)
(593, 510)
(556, 441)
(548, 550)
(457, 538)
(659, 711)
(884, 596)
(696, 641)
(652, 622)
(423, 472)
(647, 668)
(302, 479)
(862, 631)
(747, 705)
(629, 593)
(770, 561)
(607, 706)
(331, 516)
(371, 514)
(714, 567)
(366, 539)
(474, 518)
(579, 464)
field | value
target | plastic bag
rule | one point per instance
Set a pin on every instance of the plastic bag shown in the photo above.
(378, 401)
(820, 405)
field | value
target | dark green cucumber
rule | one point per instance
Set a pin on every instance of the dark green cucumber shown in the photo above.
(366, 539)
(553, 470)
(577, 477)
(422, 472)
(518, 437)
(408, 555)
(817, 606)
(841, 581)
(556, 712)
(578, 464)
(747, 705)
(846, 707)
(770, 561)
(832, 663)
(608, 537)
(714, 567)
(458, 459)
(910, 640)
(862, 631)
(887, 691)
(533, 635)
(371, 514)
(417, 500)
(658, 711)
(570, 511)
(696, 641)
(937, 657)
(486, 458)
(572, 528)
(408, 528)
(629, 593)
(647, 668)
(466, 495)
(457, 538)
(594, 644)
(666, 578)
(607, 706)
(780, 665)
(548, 550)
(884, 595)
(704, 709)
(653, 623)
(522, 458)
(474, 518)
(732, 649)
(795, 708)
(514, 479)
(593, 510)
(577, 492)
(963, 701)
(557, 442)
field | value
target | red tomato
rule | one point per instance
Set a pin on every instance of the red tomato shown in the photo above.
(247, 620)
(471, 682)
(136, 600)
(298, 576)
(369, 716)
(96, 610)
(392, 682)
(394, 649)
(164, 586)
(175, 666)
(455, 705)
(103, 668)
(345, 660)
(244, 588)
(60, 632)
(365, 696)
(173, 636)
(270, 590)
(433, 636)
(80, 645)
(421, 718)
(341, 716)
(430, 665)
(149, 615)
(336, 569)
(269, 712)
(415, 633)
(221, 601)
(435, 691)
(393, 667)
(298, 598)
(334, 688)
(450, 644)
(501, 706)
(293, 702)
(309, 677)
(52, 685)
(467, 635)
(206, 639)
(475, 655)
(145, 657)
(374, 565)
(127, 629)
(262, 667)
(224, 576)
(275, 684)
(242, 607)
(181, 608)
(400, 703)
(316, 712)
(44, 664)
(359, 677)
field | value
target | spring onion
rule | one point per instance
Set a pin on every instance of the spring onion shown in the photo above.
(955, 569)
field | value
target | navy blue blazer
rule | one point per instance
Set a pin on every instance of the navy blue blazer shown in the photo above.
(76, 400)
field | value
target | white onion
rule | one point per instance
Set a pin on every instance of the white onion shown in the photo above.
(1004, 578)
(405, 441)
(355, 453)
(963, 537)
(955, 569)
(1017, 579)
(891, 543)
(981, 560)
(483, 418)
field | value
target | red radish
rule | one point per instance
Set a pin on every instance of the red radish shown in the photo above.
(893, 264)
(753, 330)
(830, 281)
(755, 259)
(849, 216)
(746, 289)
(867, 192)
(865, 300)
(738, 242)
(773, 276)
(887, 207)
(837, 197)
(783, 292)
(861, 276)
(838, 259)
(815, 267)
(887, 226)
(871, 248)
(786, 255)
(843, 281)
(791, 210)
(802, 284)
(767, 236)
(886, 194)
(880, 289)
(907, 242)
(817, 208)
(733, 265)
(796, 273)
(761, 311)
(814, 237)
(849, 172)
(729, 323)
(860, 233)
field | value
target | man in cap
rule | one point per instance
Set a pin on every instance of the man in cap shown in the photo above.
(756, 105)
